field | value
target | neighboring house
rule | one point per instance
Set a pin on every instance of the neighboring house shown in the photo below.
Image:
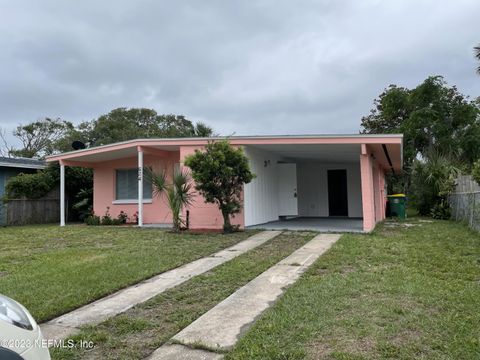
(313, 179)
(10, 167)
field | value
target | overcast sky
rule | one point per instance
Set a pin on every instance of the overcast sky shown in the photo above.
(249, 67)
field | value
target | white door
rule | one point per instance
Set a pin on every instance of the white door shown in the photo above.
(287, 190)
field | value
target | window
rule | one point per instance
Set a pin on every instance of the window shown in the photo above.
(126, 185)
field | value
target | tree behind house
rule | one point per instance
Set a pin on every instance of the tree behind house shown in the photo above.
(124, 124)
(433, 117)
(39, 138)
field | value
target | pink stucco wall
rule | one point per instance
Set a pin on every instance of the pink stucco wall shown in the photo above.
(367, 192)
(104, 188)
(373, 190)
(377, 192)
(203, 215)
(383, 195)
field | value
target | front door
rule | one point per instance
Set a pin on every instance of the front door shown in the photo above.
(287, 190)
(337, 193)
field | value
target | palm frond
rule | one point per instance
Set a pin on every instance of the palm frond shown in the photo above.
(476, 49)
(182, 185)
(157, 179)
(178, 193)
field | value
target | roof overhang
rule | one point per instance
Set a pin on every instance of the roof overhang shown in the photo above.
(328, 143)
(22, 166)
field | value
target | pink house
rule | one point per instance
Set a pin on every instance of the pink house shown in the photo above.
(321, 182)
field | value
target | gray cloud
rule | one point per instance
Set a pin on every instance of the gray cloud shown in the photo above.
(250, 67)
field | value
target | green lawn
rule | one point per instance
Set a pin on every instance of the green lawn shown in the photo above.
(139, 331)
(410, 290)
(52, 270)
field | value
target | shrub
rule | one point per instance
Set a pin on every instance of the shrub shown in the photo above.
(433, 179)
(122, 217)
(31, 186)
(78, 186)
(92, 220)
(84, 203)
(107, 219)
(476, 171)
(220, 173)
(34, 186)
(441, 210)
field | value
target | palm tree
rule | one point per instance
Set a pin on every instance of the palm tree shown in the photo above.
(178, 193)
(476, 49)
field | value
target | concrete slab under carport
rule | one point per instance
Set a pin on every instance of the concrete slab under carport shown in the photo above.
(320, 224)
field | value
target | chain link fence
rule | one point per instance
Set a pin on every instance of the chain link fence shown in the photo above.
(465, 202)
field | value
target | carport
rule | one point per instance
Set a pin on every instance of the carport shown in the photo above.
(325, 187)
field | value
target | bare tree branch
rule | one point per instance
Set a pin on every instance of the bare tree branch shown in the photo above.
(5, 148)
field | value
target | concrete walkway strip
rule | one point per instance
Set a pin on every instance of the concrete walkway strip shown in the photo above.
(177, 352)
(102, 309)
(221, 327)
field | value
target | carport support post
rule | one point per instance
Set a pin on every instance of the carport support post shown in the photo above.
(62, 193)
(368, 199)
(140, 186)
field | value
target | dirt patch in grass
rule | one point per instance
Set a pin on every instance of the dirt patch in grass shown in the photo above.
(359, 346)
(319, 350)
(354, 347)
(405, 337)
(347, 270)
(204, 231)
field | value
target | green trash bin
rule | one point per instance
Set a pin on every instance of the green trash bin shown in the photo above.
(397, 205)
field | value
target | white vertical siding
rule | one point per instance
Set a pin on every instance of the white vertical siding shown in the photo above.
(313, 188)
(261, 195)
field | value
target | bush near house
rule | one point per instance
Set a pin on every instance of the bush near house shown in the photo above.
(476, 171)
(433, 179)
(220, 173)
(78, 185)
(31, 186)
(107, 219)
(34, 186)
